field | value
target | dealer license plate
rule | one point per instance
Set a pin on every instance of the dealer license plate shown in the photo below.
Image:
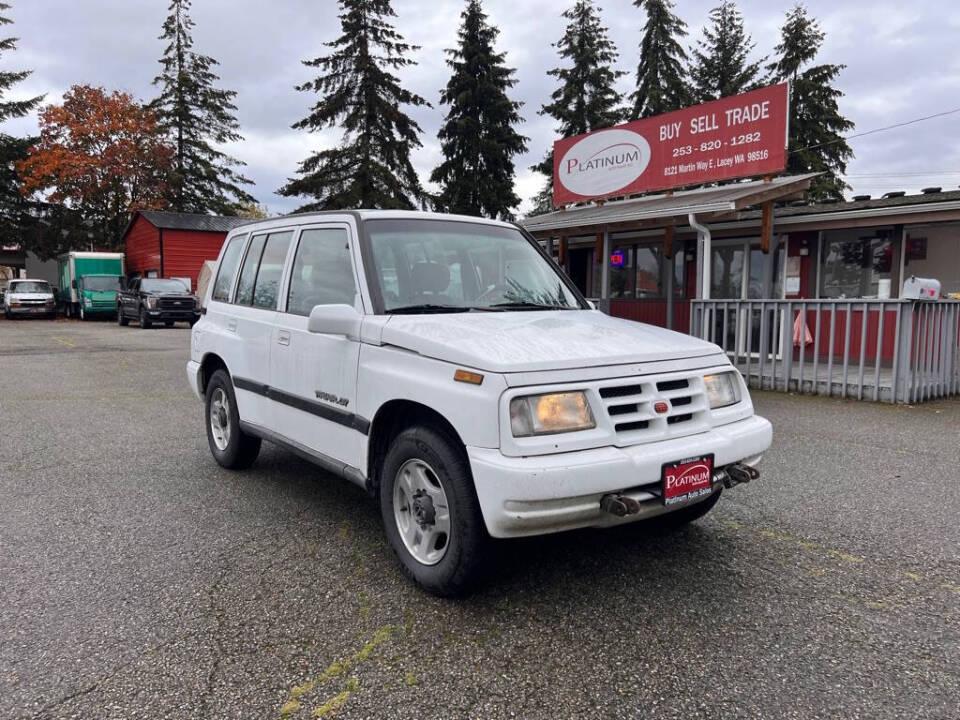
(687, 479)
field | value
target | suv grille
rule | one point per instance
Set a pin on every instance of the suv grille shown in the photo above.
(629, 405)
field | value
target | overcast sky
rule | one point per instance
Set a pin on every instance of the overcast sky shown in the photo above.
(902, 63)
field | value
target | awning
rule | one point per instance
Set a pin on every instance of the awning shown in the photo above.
(709, 203)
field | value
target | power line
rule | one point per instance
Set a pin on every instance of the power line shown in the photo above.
(930, 173)
(882, 129)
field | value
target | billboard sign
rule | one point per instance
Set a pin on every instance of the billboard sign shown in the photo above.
(733, 137)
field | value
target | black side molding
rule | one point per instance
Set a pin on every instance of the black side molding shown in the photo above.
(347, 472)
(307, 405)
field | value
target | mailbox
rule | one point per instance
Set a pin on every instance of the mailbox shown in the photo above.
(915, 288)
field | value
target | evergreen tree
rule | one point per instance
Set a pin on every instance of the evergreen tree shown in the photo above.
(816, 143)
(662, 83)
(477, 137)
(197, 116)
(587, 98)
(13, 206)
(371, 167)
(721, 65)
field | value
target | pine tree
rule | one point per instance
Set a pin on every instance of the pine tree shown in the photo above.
(371, 167)
(477, 137)
(662, 83)
(13, 206)
(721, 65)
(197, 116)
(816, 143)
(587, 98)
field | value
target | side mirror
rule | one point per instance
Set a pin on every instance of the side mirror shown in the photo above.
(123, 282)
(335, 320)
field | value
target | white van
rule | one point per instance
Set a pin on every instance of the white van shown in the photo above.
(448, 366)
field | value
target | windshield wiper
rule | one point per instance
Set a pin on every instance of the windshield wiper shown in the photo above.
(425, 308)
(519, 305)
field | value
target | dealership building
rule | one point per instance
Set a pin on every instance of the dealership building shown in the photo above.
(640, 256)
(803, 296)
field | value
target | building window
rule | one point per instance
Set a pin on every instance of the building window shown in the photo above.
(933, 251)
(641, 272)
(858, 263)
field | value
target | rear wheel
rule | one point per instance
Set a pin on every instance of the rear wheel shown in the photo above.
(121, 318)
(230, 446)
(144, 320)
(430, 511)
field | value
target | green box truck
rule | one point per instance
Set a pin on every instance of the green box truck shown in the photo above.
(89, 282)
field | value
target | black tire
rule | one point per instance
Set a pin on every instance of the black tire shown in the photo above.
(689, 514)
(242, 449)
(121, 318)
(168, 323)
(144, 320)
(466, 546)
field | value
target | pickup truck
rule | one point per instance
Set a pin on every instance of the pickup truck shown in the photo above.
(156, 300)
(445, 364)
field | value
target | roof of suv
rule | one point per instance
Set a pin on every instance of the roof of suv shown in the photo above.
(305, 217)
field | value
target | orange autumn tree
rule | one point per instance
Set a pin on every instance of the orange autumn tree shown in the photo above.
(100, 155)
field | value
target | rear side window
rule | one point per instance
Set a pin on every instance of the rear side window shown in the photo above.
(322, 272)
(248, 275)
(223, 288)
(271, 268)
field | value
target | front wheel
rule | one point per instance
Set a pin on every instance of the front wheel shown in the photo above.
(430, 511)
(231, 447)
(144, 320)
(121, 318)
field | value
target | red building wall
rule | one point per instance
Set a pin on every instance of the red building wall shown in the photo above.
(143, 247)
(184, 252)
(170, 253)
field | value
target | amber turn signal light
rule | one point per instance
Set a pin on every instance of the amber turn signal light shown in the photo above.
(468, 377)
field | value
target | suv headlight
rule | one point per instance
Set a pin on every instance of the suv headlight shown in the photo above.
(550, 413)
(722, 389)
(152, 303)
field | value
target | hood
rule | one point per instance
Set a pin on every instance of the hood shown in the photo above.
(29, 296)
(98, 295)
(506, 342)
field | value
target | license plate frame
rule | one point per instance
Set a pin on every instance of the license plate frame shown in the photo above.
(695, 482)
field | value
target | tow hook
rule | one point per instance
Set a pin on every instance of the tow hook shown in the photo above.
(739, 473)
(619, 505)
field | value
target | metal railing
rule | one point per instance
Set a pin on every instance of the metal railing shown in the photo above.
(885, 350)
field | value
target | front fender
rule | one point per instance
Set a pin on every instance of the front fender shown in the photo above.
(388, 373)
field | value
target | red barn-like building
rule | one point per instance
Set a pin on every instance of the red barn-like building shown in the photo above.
(174, 245)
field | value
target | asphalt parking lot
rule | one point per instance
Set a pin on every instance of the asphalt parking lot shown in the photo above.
(138, 579)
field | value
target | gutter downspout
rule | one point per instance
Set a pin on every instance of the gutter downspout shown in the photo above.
(704, 241)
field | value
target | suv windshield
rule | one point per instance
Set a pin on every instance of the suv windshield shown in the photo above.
(161, 286)
(30, 286)
(100, 282)
(440, 265)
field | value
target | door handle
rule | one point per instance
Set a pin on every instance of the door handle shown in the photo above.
(232, 325)
(283, 337)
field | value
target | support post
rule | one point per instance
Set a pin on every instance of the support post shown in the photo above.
(704, 244)
(766, 227)
(605, 274)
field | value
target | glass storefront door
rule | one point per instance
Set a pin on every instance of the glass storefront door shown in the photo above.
(740, 270)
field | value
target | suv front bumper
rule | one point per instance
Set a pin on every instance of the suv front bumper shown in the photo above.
(551, 493)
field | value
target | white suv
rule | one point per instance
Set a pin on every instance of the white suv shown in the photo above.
(446, 364)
